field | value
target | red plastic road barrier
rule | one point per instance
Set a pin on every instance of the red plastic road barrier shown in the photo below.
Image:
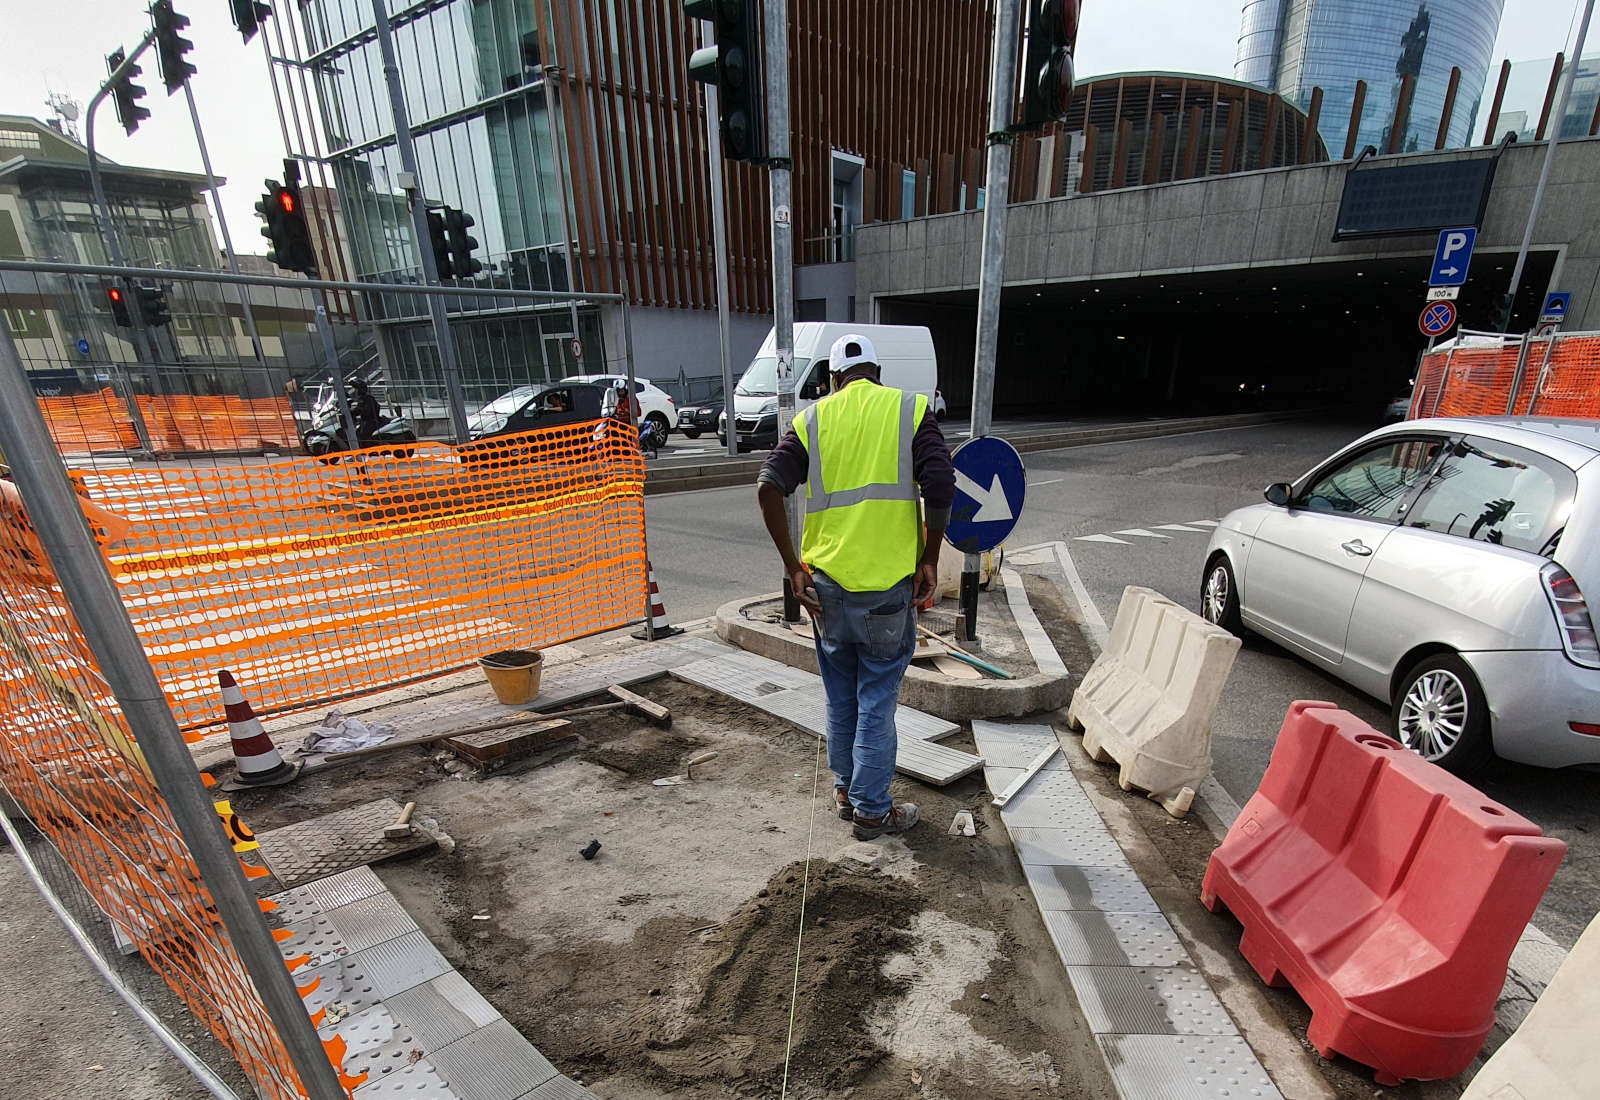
(1386, 891)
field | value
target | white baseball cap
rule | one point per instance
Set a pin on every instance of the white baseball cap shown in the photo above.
(851, 350)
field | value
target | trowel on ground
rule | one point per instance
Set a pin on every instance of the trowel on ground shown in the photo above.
(688, 771)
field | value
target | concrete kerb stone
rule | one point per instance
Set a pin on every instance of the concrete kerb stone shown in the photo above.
(923, 690)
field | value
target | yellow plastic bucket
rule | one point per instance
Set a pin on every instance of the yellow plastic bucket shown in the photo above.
(513, 675)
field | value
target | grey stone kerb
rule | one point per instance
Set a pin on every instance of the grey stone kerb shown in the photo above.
(922, 690)
(1279, 217)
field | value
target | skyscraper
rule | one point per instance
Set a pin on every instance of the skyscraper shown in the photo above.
(1293, 46)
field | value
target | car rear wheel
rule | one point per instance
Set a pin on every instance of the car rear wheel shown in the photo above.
(692, 433)
(660, 422)
(1440, 714)
(1219, 596)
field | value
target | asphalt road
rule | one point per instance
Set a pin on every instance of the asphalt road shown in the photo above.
(1116, 505)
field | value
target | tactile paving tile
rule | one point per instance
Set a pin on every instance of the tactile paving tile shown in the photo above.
(344, 988)
(561, 1088)
(403, 963)
(1006, 745)
(376, 1044)
(739, 679)
(293, 906)
(419, 1081)
(327, 845)
(370, 921)
(1114, 939)
(1107, 889)
(493, 1063)
(1067, 847)
(1149, 1000)
(443, 1010)
(1052, 800)
(315, 938)
(342, 889)
(1186, 1067)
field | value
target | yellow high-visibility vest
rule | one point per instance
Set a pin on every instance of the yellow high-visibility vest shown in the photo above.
(862, 527)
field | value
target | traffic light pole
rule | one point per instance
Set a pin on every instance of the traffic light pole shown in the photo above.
(776, 67)
(108, 234)
(331, 350)
(997, 185)
(222, 224)
(719, 243)
(419, 223)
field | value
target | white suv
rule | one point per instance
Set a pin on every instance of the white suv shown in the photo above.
(653, 400)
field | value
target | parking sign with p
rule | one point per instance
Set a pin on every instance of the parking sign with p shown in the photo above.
(1452, 256)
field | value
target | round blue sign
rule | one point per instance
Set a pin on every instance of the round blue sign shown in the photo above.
(83, 346)
(990, 486)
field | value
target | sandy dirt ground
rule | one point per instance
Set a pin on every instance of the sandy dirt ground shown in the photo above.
(665, 966)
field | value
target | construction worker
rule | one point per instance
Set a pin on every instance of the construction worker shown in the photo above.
(862, 454)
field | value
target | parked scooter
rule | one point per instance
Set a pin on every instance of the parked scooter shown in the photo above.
(326, 436)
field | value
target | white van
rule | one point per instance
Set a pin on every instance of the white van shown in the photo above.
(905, 353)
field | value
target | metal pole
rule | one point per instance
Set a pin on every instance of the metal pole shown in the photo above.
(419, 224)
(627, 413)
(331, 350)
(1567, 77)
(561, 185)
(719, 244)
(222, 224)
(997, 184)
(102, 214)
(776, 59)
(53, 510)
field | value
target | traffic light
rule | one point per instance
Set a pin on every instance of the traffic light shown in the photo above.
(119, 306)
(1047, 76)
(247, 16)
(153, 305)
(456, 223)
(286, 227)
(125, 93)
(439, 240)
(170, 45)
(733, 64)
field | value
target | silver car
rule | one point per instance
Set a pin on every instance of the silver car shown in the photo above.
(1440, 565)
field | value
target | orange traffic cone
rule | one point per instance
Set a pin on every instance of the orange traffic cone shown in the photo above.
(256, 759)
(658, 612)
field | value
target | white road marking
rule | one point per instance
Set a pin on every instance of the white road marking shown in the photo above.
(1177, 527)
(1102, 538)
(1143, 533)
(1052, 481)
(1204, 523)
(1091, 614)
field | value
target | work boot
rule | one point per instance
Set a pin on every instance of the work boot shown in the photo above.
(842, 800)
(899, 818)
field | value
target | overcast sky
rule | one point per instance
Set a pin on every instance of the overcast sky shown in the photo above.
(61, 46)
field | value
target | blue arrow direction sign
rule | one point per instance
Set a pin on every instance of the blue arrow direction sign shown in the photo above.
(990, 486)
(1556, 304)
(1451, 256)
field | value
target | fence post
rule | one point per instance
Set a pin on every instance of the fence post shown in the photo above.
(1517, 375)
(53, 510)
(627, 413)
(1544, 373)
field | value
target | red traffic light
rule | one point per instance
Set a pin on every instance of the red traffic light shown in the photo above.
(286, 200)
(114, 294)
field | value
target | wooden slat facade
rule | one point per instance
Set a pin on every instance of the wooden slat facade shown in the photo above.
(900, 82)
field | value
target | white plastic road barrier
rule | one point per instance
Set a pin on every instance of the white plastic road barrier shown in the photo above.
(1147, 701)
(1553, 1054)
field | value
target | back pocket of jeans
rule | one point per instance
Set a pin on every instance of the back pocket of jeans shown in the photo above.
(887, 629)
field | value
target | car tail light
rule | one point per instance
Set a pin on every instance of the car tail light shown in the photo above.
(1589, 728)
(1572, 616)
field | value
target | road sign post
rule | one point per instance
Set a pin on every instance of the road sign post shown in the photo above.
(991, 485)
(1452, 256)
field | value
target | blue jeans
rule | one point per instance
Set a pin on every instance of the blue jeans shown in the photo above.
(864, 642)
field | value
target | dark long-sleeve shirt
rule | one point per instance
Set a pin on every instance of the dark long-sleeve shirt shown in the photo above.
(786, 467)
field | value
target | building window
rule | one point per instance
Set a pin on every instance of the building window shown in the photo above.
(10, 239)
(908, 194)
(847, 171)
(28, 324)
(982, 191)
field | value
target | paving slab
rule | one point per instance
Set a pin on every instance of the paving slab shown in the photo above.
(326, 845)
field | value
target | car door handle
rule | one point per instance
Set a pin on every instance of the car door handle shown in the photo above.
(1356, 547)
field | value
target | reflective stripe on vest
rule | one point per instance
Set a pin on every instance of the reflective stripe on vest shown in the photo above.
(819, 499)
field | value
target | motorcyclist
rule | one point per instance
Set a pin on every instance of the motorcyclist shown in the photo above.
(364, 409)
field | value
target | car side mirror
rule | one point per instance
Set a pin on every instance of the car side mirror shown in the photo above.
(808, 392)
(1278, 493)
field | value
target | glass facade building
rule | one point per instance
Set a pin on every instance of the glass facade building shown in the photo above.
(1294, 46)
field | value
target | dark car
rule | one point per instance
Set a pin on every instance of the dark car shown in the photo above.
(530, 407)
(695, 419)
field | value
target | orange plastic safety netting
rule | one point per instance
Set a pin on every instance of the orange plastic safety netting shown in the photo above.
(319, 579)
(70, 762)
(92, 423)
(1560, 377)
